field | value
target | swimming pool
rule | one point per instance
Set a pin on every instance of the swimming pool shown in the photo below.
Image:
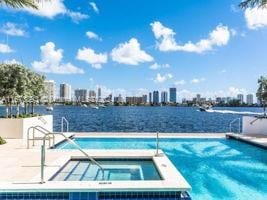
(114, 170)
(215, 168)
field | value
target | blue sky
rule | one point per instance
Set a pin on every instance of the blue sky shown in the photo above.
(132, 47)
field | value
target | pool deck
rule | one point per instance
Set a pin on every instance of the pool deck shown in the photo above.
(20, 164)
(254, 139)
(20, 167)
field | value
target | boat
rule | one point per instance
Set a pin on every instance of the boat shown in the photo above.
(204, 108)
(101, 106)
(84, 105)
(94, 107)
(49, 108)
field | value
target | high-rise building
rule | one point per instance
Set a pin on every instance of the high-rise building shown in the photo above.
(65, 92)
(118, 99)
(198, 98)
(49, 95)
(144, 99)
(164, 97)
(155, 97)
(173, 95)
(250, 99)
(99, 94)
(150, 97)
(92, 96)
(134, 100)
(240, 97)
(80, 95)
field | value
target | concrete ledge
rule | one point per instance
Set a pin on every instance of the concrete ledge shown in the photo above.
(172, 179)
(17, 128)
(148, 135)
(259, 140)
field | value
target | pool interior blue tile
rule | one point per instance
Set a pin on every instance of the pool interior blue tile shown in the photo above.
(95, 196)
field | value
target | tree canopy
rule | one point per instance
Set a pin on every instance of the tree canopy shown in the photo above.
(20, 85)
(20, 3)
(253, 3)
(262, 89)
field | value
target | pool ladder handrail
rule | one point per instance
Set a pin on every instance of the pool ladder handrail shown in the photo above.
(47, 133)
(239, 124)
(41, 130)
(63, 119)
(157, 144)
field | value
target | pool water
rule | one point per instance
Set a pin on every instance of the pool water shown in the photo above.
(215, 168)
(114, 170)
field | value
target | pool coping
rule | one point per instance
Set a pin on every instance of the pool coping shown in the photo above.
(172, 178)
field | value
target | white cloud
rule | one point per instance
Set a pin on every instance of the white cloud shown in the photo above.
(130, 53)
(51, 9)
(51, 61)
(256, 17)
(4, 48)
(92, 35)
(48, 9)
(156, 66)
(13, 29)
(88, 55)
(38, 29)
(180, 82)
(234, 91)
(94, 7)
(76, 17)
(12, 61)
(233, 32)
(162, 78)
(166, 40)
(196, 80)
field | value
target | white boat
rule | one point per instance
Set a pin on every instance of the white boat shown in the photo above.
(49, 108)
(204, 108)
(84, 105)
(94, 107)
(101, 106)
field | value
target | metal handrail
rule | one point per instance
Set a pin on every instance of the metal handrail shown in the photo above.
(77, 146)
(157, 144)
(42, 119)
(239, 125)
(63, 119)
(41, 130)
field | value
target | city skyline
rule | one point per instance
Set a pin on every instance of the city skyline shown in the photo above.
(67, 93)
(129, 54)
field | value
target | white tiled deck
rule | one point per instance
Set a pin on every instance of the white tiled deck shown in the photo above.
(255, 139)
(20, 168)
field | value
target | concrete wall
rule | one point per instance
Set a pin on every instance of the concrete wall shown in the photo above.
(17, 128)
(258, 127)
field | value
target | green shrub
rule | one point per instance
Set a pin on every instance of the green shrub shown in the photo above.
(2, 141)
(21, 116)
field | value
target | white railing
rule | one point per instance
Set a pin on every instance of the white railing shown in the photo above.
(234, 121)
(157, 144)
(63, 119)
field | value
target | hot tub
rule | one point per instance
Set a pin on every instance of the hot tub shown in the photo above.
(114, 170)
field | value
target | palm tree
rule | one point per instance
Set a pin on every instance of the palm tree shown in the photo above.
(20, 3)
(262, 92)
(253, 3)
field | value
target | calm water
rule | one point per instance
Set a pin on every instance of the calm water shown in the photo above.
(145, 119)
(215, 168)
